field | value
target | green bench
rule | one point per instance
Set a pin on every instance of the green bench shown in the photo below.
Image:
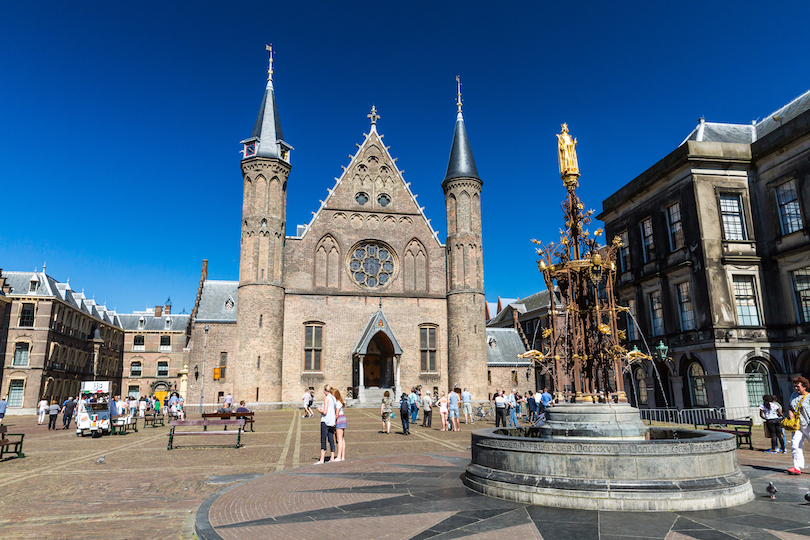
(7, 446)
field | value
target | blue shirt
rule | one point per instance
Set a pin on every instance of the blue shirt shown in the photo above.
(466, 397)
(546, 398)
(453, 400)
(3, 405)
(411, 398)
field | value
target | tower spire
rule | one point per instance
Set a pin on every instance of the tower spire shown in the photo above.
(461, 163)
(267, 139)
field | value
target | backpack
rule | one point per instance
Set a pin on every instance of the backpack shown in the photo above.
(404, 407)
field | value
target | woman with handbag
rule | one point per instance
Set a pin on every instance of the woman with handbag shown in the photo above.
(771, 412)
(799, 421)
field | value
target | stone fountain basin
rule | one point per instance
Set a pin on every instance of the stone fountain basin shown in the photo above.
(677, 470)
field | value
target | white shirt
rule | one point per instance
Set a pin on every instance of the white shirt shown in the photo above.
(329, 409)
(772, 412)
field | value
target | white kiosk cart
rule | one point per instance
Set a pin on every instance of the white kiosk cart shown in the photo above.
(93, 413)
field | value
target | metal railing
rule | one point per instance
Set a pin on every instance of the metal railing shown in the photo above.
(687, 417)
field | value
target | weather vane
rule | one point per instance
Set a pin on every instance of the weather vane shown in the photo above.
(458, 84)
(269, 49)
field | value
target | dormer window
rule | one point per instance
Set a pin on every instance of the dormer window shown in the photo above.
(141, 323)
(32, 286)
(168, 324)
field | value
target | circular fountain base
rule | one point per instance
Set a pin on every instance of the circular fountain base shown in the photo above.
(674, 470)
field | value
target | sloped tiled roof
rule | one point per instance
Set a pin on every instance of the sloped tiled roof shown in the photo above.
(47, 286)
(503, 347)
(130, 321)
(214, 301)
(749, 133)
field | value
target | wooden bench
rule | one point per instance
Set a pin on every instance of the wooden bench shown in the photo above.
(121, 424)
(248, 417)
(153, 419)
(205, 423)
(741, 429)
(8, 446)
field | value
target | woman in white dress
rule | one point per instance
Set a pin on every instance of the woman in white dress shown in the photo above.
(442, 403)
(43, 410)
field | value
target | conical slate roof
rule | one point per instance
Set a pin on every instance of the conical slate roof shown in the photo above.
(461, 164)
(268, 125)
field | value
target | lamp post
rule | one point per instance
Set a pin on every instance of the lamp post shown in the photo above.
(662, 351)
(202, 385)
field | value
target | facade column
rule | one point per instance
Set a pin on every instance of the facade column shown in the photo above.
(183, 382)
(361, 388)
(397, 383)
(677, 391)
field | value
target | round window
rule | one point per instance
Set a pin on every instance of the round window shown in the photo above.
(384, 200)
(361, 198)
(371, 265)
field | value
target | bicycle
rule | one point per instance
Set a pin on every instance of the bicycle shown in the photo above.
(482, 411)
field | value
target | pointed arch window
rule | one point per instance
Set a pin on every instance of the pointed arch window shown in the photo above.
(697, 385)
(641, 386)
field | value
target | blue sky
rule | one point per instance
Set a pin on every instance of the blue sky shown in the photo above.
(120, 122)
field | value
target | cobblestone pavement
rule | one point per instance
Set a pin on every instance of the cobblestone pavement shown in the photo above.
(143, 491)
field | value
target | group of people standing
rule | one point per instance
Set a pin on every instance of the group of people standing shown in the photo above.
(410, 404)
(511, 404)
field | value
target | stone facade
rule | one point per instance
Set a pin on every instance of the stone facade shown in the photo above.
(155, 351)
(361, 297)
(55, 338)
(717, 263)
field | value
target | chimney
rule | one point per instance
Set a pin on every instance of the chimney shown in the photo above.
(204, 270)
(167, 309)
(158, 311)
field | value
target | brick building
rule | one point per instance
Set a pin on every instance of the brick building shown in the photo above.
(155, 351)
(716, 263)
(364, 297)
(54, 338)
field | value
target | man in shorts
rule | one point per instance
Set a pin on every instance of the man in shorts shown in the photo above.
(466, 407)
(452, 410)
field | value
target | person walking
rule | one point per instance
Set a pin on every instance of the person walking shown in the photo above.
(413, 410)
(43, 409)
(328, 418)
(771, 411)
(3, 406)
(799, 405)
(405, 413)
(340, 425)
(531, 406)
(228, 399)
(142, 408)
(386, 409)
(53, 414)
(68, 407)
(512, 404)
(500, 409)
(452, 409)
(307, 398)
(466, 407)
(442, 403)
(427, 409)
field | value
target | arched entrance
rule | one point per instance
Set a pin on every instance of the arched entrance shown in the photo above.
(378, 363)
(160, 389)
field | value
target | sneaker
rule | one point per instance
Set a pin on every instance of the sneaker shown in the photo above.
(771, 451)
(793, 470)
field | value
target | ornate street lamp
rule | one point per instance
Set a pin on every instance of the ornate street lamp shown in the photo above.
(662, 350)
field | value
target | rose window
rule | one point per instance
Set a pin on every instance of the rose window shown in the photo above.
(371, 265)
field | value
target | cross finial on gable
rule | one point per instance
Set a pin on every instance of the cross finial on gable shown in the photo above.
(373, 115)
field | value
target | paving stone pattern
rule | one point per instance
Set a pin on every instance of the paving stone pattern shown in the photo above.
(393, 486)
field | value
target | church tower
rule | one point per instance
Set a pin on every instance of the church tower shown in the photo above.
(466, 332)
(260, 308)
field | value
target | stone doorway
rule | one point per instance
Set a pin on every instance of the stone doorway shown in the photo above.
(378, 362)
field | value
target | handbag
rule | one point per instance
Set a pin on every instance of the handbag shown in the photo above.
(794, 424)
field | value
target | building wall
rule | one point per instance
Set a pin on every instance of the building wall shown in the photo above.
(176, 358)
(221, 339)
